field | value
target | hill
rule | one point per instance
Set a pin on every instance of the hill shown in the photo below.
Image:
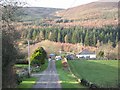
(92, 14)
(55, 47)
(37, 13)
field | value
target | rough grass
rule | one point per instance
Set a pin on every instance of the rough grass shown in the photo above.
(101, 72)
(66, 78)
(27, 83)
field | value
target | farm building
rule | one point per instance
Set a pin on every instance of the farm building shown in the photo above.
(86, 54)
(52, 56)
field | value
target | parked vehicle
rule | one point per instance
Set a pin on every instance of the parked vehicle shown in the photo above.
(70, 57)
(58, 58)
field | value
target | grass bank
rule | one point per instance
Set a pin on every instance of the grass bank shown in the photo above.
(101, 72)
(27, 83)
(66, 78)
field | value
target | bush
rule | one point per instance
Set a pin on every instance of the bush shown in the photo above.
(88, 84)
(21, 75)
(38, 57)
(36, 69)
(25, 42)
(21, 55)
(101, 54)
(65, 21)
(21, 61)
(18, 79)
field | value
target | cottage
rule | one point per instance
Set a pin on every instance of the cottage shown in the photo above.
(86, 54)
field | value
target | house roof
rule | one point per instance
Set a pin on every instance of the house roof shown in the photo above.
(86, 52)
(51, 54)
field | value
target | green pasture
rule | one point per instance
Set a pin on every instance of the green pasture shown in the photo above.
(104, 73)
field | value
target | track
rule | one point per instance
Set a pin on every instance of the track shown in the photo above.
(49, 78)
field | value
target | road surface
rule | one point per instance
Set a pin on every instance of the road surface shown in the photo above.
(49, 78)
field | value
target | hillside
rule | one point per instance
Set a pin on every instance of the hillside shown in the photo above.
(37, 13)
(92, 14)
(55, 47)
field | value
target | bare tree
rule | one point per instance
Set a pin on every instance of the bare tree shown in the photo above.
(8, 9)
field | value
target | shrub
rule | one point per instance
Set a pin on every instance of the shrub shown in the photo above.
(101, 54)
(18, 79)
(36, 69)
(38, 57)
(88, 84)
(21, 61)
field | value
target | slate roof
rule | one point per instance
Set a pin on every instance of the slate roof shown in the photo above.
(86, 52)
(51, 54)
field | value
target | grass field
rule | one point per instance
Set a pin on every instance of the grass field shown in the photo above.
(101, 72)
(66, 78)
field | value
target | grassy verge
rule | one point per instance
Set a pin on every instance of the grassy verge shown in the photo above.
(27, 83)
(40, 69)
(43, 67)
(21, 65)
(101, 72)
(66, 78)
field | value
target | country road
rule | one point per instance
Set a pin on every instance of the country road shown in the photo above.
(49, 78)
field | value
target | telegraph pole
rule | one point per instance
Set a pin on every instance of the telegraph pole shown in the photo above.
(29, 58)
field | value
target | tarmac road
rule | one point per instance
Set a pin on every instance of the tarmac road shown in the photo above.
(49, 78)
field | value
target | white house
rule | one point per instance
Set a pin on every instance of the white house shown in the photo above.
(86, 54)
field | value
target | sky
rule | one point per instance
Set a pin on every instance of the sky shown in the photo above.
(60, 3)
(56, 3)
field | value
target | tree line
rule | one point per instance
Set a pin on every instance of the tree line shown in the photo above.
(85, 36)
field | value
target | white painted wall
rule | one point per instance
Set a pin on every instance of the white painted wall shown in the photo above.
(85, 56)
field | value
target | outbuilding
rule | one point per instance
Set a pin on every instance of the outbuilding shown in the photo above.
(52, 56)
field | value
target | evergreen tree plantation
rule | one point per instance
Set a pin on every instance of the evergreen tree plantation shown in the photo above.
(77, 34)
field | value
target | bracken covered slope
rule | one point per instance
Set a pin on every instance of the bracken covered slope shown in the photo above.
(92, 14)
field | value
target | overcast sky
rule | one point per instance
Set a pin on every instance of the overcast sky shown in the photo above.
(58, 3)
